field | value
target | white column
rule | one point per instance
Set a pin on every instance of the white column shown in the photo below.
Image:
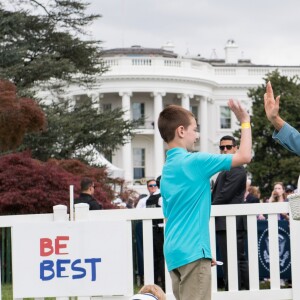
(185, 100)
(159, 158)
(100, 99)
(126, 149)
(203, 125)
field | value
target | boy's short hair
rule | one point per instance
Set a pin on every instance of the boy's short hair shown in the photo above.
(171, 118)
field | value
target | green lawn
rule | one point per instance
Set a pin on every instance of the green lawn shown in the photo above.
(7, 293)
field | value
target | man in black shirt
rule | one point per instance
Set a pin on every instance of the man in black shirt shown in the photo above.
(86, 196)
(229, 188)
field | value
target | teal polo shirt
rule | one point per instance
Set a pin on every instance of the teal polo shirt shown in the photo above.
(185, 189)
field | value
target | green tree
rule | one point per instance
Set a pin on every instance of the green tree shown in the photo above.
(39, 43)
(272, 162)
(71, 129)
(41, 46)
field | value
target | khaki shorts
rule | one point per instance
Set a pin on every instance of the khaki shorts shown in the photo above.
(192, 281)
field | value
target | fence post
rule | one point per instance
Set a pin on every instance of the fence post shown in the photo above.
(81, 211)
(72, 202)
(295, 257)
(295, 250)
(60, 213)
(1, 273)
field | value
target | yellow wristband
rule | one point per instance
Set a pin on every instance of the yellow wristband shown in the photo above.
(246, 125)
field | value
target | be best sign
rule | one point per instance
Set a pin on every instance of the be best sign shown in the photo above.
(70, 259)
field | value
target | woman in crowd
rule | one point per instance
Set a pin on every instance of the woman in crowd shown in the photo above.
(279, 195)
(253, 194)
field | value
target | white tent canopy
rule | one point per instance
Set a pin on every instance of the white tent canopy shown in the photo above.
(96, 158)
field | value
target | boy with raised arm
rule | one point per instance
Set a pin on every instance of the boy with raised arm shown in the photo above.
(185, 188)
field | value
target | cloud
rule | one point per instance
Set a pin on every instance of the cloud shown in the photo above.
(266, 31)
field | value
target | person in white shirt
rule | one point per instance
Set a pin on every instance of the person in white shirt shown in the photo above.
(153, 190)
(154, 200)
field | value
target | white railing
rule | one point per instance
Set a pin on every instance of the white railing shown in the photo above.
(194, 68)
(225, 71)
(230, 211)
(251, 211)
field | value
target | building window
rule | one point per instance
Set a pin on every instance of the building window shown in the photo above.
(225, 117)
(106, 107)
(138, 163)
(138, 111)
(194, 110)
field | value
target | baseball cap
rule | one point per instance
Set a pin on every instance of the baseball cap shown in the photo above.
(146, 296)
(289, 187)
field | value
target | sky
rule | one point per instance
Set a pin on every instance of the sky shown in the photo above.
(266, 31)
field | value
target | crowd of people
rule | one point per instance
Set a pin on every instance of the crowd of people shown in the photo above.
(186, 195)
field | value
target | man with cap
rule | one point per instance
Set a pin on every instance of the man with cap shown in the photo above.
(289, 189)
(148, 292)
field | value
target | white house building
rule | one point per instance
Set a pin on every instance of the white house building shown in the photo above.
(143, 81)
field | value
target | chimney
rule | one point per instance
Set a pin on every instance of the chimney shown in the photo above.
(168, 46)
(231, 52)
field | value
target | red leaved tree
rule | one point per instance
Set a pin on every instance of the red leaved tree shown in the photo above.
(18, 116)
(104, 191)
(28, 186)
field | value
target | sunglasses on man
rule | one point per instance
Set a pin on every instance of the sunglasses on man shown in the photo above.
(228, 147)
(152, 185)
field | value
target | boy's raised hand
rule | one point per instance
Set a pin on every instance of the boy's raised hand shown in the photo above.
(240, 112)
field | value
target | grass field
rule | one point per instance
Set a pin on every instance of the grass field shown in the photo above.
(7, 293)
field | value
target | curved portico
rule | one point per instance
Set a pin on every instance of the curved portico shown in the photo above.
(143, 81)
(147, 140)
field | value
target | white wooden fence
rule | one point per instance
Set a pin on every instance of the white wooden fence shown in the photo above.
(230, 211)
